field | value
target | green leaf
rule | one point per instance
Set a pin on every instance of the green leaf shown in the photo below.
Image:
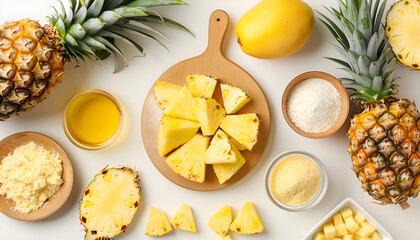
(80, 16)
(93, 25)
(338, 34)
(62, 10)
(374, 69)
(93, 42)
(61, 28)
(102, 54)
(363, 63)
(138, 33)
(372, 48)
(359, 42)
(70, 40)
(112, 4)
(156, 19)
(111, 46)
(353, 58)
(154, 3)
(377, 83)
(352, 11)
(144, 26)
(364, 21)
(77, 31)
(341, 62)
(116, 62)
(69, 18)
(105, 33)
(95, 8)
(332, 31)
(374, 14)
(86, 50)
(129, 12)
(378, 18)
(109, 17)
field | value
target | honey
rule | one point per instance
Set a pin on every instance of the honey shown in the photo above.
(93, 119)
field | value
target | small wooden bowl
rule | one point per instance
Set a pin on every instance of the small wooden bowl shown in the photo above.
(345, 103)
(57, 200)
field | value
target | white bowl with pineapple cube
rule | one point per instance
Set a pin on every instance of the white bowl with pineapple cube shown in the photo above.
(348, 221)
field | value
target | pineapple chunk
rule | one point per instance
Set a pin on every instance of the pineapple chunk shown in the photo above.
(188, 160)
(233, 98)
(368, 227)
(243, 128)
(220, 150)
(337, 219)
(209, 114)
(359, 218)
(319, 236)
(346, 212)
(376, 236)
(173, 132)
(228, 237)
(165, 92)
(351, 225)
(335, 238)
(221, 220)
(340, 229)
(248, 221)
(157, 224)
(329, 230)
(235, 143)
(225, 171)
(181, 106)
(201, 85)
(348, 237)
(363, 232)
(184, 219)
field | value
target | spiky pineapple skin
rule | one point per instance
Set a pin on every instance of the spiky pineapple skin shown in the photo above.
(385, 150)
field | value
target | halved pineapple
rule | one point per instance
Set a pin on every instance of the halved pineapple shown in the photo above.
(157, 224)
(248, 221)
(233, 98)
(243, 128)
(235, 143)
(225, 171)
(184, 219)
(209, 114)
(173, 132)
(165, 92)
(221, 220)
(228, 237)
(201, 85)
(189, 160)
(181, 106)
(220, 150)
(110, 202)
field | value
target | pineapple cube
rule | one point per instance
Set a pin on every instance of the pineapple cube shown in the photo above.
(173, 132)
(337, 219)
(228, 237)
(243, 128)
(376, 236)
(363, 232)
(368, 227)
(157, 224)
(165, 92)
(221, 220)
(359, 218)
(319, 236)
(220, 150)
(189, 160)
(201, 85)
(225, 171)
(233, 98)
(209, 114)
(182, 106)
(351, 225)
(340, 229)
(248, 221)
(329, 230)
(335, 238)
(346, 212)
(184, 219)
(348, 237)
(235, 143)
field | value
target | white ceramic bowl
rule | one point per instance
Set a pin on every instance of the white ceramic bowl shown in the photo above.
(349, 202)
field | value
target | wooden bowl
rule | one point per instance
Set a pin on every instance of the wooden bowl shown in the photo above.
(345, 103)
(57, 200)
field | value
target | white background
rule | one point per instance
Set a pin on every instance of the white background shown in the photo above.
(131, 85)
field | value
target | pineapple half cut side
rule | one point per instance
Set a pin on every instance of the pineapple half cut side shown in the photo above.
(248, 221)
(233, 98)
(165, 92)
(201, 85)
(225, 171)
(157, 223)
(220, 150)
(243, 128)
(209, 114)
(181, 106)
(184, 219)
(221, 220)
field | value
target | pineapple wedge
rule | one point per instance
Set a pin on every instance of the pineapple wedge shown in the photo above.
(165, 92)
(209, 114)
(243, 128)
(221, 220)
(181, 106)
(248, 221)
(225, 171)
(189, 160)
(173, 132)
(220, 150)
(233, 98)
(228, 237)
(235, 143)
(184, 219)
(201, 85)
(157, 224)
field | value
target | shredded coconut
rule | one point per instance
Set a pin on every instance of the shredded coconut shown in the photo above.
(314, 105)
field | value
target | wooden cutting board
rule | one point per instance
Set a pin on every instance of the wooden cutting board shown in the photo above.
(211, 62)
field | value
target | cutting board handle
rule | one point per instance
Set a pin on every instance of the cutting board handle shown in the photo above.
(218, 24)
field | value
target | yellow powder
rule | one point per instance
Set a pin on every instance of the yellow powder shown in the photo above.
(295, 180)
(29, 176)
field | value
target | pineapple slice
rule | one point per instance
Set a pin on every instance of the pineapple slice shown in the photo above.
(228, 237)
(351, 225)
(181, 106)
(359, 218)
(173, 132)
(220, 150)
(319, 236)
(201, 85)
(209, 114)
(348, 237)
(165, 92)
(346, 212)
(243, 128)
(233, 98)
(221, 220)
(248, 221)
(337, 219)
(329, 230)
(225, 171)
(184, 219)
(235, 143)
(189, 160)
(157, 224)
(376, 236)
(340, 229)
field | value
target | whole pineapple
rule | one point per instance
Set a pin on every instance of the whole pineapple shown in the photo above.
(385, 137)
(32, 56)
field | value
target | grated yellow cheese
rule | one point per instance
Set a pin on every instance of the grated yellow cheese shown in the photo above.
(29, 176)
(295, 180)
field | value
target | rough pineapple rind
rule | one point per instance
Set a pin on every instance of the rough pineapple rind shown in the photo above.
(221, 220)
(201, 85)
(157, 223)
(243, 128)
(220, 150)
(225, 171)
(233, 98)
(209, 114)
(247, 221)
(165, 92)
(181, 106)
(184, 219)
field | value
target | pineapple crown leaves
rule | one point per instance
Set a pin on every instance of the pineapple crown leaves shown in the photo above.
(89, 28)
(357, 27)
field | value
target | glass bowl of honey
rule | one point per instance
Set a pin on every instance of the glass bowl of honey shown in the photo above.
(93, 119)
